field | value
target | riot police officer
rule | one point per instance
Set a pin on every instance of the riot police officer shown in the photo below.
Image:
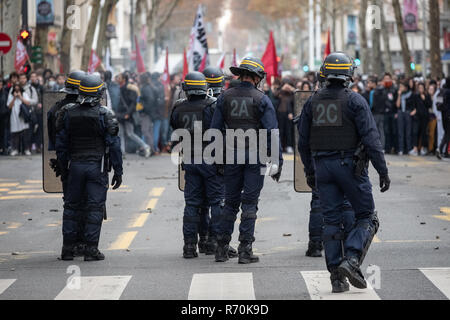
(215, 80)
(315, 245)
(87, 145)
(335, 126)
(244, 108)
(202, 182)
(71, 89)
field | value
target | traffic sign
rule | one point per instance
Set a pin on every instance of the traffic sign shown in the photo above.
(5, 43)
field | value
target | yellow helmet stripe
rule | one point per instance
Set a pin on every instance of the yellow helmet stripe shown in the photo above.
(214, 80)
(339, 64)
(252, 63)
(91, 88)
(337, 68)
(199, 83)
(73, 81)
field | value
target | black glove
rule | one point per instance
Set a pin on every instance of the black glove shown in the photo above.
(54, 164)
(311, 181)
(277, 176)
(385, 183)
(220, 169)
(116, 182)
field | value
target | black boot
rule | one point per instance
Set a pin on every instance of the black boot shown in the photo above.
(339, 283)
(93, 254)
(202, 245)
(67, 253)
(190, 250)
(211, 246)
(232, 253)
(222, 248)
(314, 249)
(350, 269)
(246, 255)
(79, 250)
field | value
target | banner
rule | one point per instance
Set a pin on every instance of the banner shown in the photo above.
(410, 12)
(198, 44)
(328, 46)
(94, 62)
(21, 56)
(221, 62)
(52, 47)
(165, 79)
(45, 12)
(351, 30)
(446, 39)
(185, 64)
(270, 60)
(140, 65)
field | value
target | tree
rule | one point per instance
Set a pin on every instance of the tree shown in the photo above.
(66, 40)
(363, 36)
(158, 13)
(89, 39)
(387, 46)
(435, 35)
(10, 25)
(376, 47)
(402, 35)
(102, 41)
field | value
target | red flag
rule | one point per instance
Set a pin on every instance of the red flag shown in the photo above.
(94, 62)
(21, 56)
(221, 63)
(203, 65)
(328, 47)
(166, 76)
(185, 64)
(270, 60)
(234, 64)
(140, 65)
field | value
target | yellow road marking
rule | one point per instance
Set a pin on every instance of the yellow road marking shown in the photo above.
(410, 241)
(446, 211)
(376, 239)
(2, 233)
(124, 241)
(266, 219)
(140, 221)
(29, 186)
(8, 185)
(156, 192)
(14, 225)
(33, 181)
(4, 190)
(26, 191)
(288, 157)
(152, 204)
(44, 196)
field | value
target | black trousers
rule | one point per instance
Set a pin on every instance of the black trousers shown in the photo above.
(286, 129)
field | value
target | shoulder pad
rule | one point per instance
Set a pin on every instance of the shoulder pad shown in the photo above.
(69, 106)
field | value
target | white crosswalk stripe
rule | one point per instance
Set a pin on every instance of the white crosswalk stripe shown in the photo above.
(94, 288)
(222, 286)
(5, 284)
(319, 288)
(440, 277)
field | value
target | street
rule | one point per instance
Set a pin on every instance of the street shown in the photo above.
(142, 240)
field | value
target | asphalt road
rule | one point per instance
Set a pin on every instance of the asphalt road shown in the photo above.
(410, 258)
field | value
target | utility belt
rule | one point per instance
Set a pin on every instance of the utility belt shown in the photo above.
(360, 158)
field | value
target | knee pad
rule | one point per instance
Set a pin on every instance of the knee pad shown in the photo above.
(248, 216)
(71, 215)
(191, 219)
(95, 217)
(246, 238)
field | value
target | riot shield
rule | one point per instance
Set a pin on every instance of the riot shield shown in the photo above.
(51, 184)
(300, 184)
(181, 173)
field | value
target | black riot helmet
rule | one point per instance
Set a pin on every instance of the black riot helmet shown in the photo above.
(215, 79)
(92, 89)
(339, 66)
(73, 81)
(250, 65)
(195, 84)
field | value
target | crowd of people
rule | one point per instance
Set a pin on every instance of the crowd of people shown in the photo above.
(412, 115)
